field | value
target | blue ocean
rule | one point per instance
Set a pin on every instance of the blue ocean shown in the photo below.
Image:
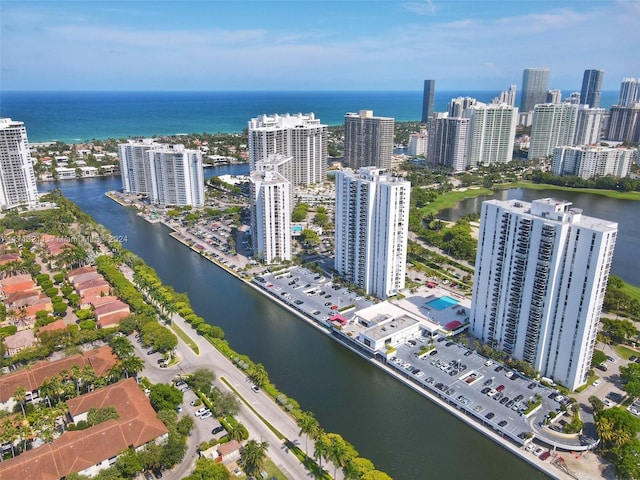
(74, 117)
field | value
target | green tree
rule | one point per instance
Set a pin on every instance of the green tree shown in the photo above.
(226, 403)
(308, 427)
(598, 357)
(357, 467)
(201, 380)
(253, 457)
(207, 469)
(310, 238)
(340, 451)
(258, 374)
(128, 464)
(626, 459)
(376, 475)
(165, 397)
(630, 376)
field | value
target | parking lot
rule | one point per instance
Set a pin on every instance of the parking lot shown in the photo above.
(493, 394)
(310, 293)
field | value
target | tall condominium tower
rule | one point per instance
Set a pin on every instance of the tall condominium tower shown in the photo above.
(624, 123)
(368, 140)
(507, 96)
(457, 106)
(134, 165)
(588, 161)
(589, 125)
(428, 100)
(541, 275)
(554, 96)
(270, 212)
(535, 83)
(553, 125)
(448, 142)
(17, 179)
(300, 136)
(591, 88)
(492, 131)
(629, 92)
(371, 226)
(176, 176)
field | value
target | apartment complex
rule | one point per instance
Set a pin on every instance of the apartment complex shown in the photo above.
(271, 211)
(553, 125)
(448, 142)
(492, 132)
(368, 140)
(589, 125)
(428, 100)
(589, 161)
(17, 179)
(541, 275)
(535, 84)
(301, 137)
(624, 123)
(166, 174)
(371, 227)
(629, 92)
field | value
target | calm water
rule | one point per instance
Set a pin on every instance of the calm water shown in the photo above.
(80, 116)
(400, 431)
(625, 212)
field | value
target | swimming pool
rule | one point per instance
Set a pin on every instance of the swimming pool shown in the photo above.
(442, 302)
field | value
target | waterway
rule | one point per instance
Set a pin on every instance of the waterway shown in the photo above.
(625, 212)
(402, 432)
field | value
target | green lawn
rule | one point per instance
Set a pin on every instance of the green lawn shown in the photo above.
(625, 352)
(185, 338)
(272, 471)
(450, 199)
(594, 191)
(632, 291)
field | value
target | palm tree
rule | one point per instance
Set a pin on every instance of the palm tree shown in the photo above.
(235, 432)
(258, 375)
(8, 434)
(133, 365)
(253, 457)
(338, 452)
(20, 396)
(322, 447)
(605, 428)
(308, 426)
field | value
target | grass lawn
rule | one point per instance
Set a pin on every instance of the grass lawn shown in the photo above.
(594, 191)
(185, 338)
(631, 290)
(450, 199)
(272, 471)
(625, 352)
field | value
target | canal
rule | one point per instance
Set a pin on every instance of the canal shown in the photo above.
(403, 433)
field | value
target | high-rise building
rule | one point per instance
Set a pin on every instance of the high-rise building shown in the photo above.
(457, 106)
(553, 125)
(629, 92)
(535, 83)
(554, 96)
(448, 142)
(589, 125)
(418, 143)
(371, 227)
(492, 130)
(300, 136)
(368, 140)
(176, 176)
(624, 123)
(134, 165)
(541, 275)
(17, 179)
(591, 88)
(428, 100)
(507, 96)
(589, 161)
(574, 98)
(270, 212)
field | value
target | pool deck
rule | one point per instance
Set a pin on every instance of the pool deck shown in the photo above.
(417, 302)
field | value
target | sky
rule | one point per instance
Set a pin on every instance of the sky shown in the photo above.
(313, 44)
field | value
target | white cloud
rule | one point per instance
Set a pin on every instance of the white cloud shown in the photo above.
(426, 7)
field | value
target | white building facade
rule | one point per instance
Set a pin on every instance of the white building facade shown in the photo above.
(492, 131)
(270, 214)
(17, 178)
(300, 136)
(371, 228)
(589, 125)
(448, 142)
(592, 161)
(553, 125)
(176, 176)
(134, 166)
(541, 275)
(418, 143)
(368, 140)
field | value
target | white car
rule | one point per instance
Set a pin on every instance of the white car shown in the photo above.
(201, 411)
(206, 414)
(596, 383)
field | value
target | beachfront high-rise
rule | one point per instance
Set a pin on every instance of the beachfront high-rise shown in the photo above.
(492, 131)
(591, 88)
(541, 275)
(368, 140)
(371, 228)
(300, 136)
(428, 100)
(134, 165)
(176, 176)
(554, 125)
(589, 125)
(624, 123)
(270, 212)
(629, 92)
(535, 84)
(17, 179)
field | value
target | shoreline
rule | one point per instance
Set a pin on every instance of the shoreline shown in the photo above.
(546, 468)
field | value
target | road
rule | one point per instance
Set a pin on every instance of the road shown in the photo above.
(210, 358)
